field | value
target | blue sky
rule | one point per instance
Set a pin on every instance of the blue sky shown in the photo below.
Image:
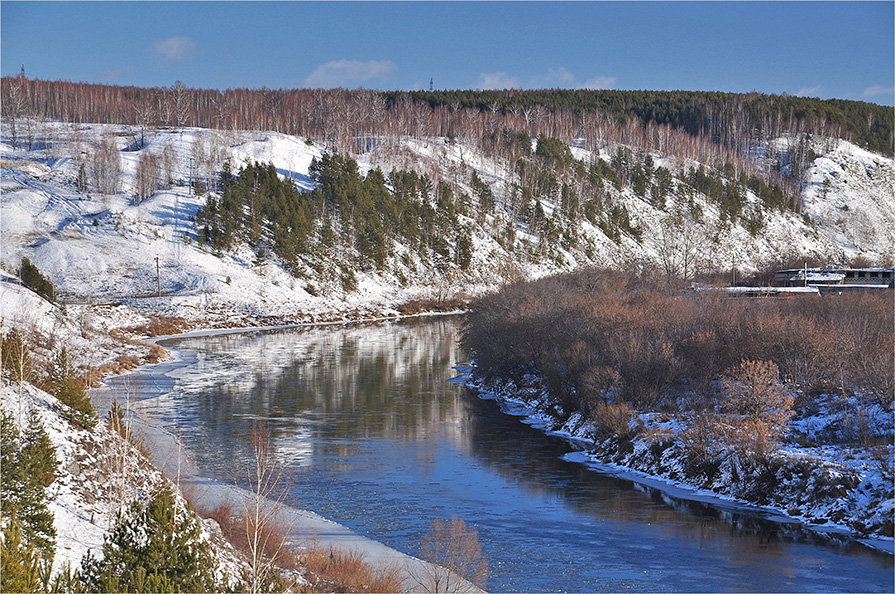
(822, 49)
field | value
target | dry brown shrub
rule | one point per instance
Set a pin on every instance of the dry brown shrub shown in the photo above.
(594, 384)
(337, 570)
(753, 391)
(156, 354)
(615, 419)
(572, 328)
(704, 439)
(127, 362)
(418, 306)
(233, 527)
(166, 325)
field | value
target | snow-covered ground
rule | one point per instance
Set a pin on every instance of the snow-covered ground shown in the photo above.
(107, 249)
(99, 474)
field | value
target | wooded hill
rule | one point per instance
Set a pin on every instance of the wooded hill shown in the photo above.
(455, 171)
(733, 121)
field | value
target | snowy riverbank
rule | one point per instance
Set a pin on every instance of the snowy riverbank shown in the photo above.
(835, 514)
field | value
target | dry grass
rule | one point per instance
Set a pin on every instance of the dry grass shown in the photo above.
(162, 326)
(327, 569)
(336, 570)
(418, 306)
(617, 418)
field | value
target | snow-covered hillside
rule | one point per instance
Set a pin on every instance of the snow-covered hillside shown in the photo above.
(99, 474)
(107, 249)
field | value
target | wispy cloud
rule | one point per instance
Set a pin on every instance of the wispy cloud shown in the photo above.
(808, 92)
(497, 80)
(877, 90)
(559, 77)
(600, 82)
(174, 48)
(553, 78)
(348, 73)
(115, 73)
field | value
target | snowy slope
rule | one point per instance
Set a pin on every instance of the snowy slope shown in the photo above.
(851, 196)
(103, 249)
(98, 474)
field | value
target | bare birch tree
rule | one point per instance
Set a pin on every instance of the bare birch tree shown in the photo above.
(106, 166)
(180, 99)
(681, 245)
(148, 176)
(266, 491)
(14, 102)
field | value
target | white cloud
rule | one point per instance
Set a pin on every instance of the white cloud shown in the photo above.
(877, 90)
(553, 78)
(558, 78)
(600, 82)
(346, 73)
(173, 48)
(808, 92)
(497, 80)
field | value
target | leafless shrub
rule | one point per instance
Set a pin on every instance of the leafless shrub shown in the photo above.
(453, 551)
(615, 419)
(417, 306)
(161, 326)
(266, 487)
(753, 391)
(572, 328)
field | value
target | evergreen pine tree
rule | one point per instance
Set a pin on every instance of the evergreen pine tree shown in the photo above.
(37, 282)
(463, 250)
(28, 466)
(19, 561)
(153, 548)
(37, 454)
(70, 390)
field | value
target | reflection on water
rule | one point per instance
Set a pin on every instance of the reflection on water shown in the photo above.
(380, 441)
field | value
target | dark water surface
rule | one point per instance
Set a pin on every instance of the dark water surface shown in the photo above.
(378, 439)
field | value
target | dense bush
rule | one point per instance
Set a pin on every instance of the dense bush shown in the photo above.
(66, 385)
(599, 336)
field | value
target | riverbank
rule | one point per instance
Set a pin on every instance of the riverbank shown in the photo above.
(637, 460)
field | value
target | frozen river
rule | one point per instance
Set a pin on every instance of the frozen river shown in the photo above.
(377, 439)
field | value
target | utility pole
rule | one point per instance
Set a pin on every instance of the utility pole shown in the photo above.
(158, 279)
